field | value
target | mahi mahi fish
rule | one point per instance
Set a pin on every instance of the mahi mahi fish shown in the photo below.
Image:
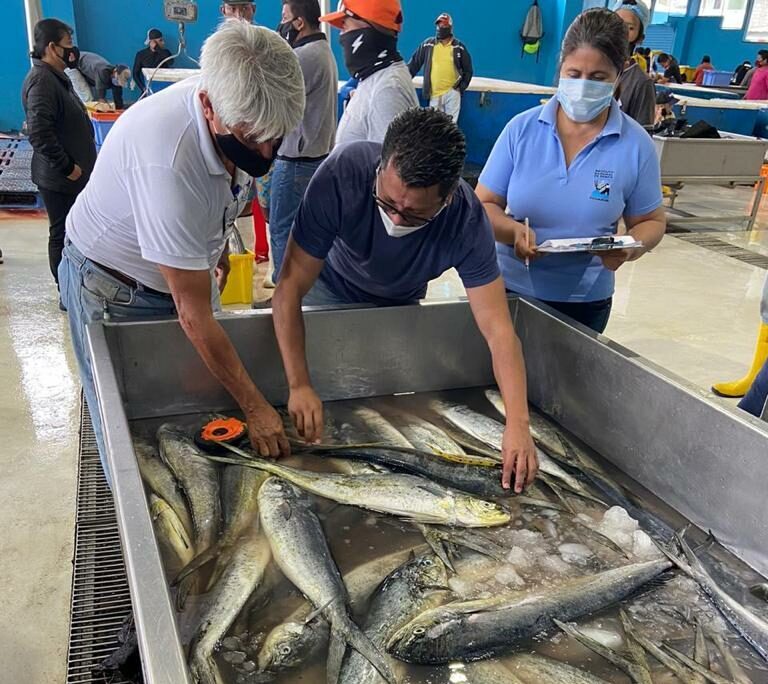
(199, 480)
(483, 628)
(752, 628)
(241, 578)
(239, 487)
(411, 589)
(301, 551)
(302, 635)
(491, 433)
(162, 482)
(170, 532)
(535, 669)
(406, 496)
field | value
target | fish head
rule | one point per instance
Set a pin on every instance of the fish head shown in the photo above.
(431, 637)
(286, 646)
(423, 574)
(472, 512)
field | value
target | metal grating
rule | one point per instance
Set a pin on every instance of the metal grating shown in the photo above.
(725, 248)
(101, 600)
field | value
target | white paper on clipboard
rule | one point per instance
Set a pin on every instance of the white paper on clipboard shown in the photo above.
(573, 245)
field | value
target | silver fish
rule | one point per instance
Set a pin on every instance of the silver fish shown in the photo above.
(240, 580)
(405, 496)
(533, 669)
(161, 481)
(491, 432)
(199, 480)
(409, 590)
(752, 628)
(301, 551)
(173, 538)
(473, 630)
(426, 436)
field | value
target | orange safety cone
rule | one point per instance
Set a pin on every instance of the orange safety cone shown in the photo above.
(261, 245)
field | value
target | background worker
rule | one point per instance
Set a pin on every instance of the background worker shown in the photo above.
(447, 68)
(305, 148)
(706, 65)
(239, 9)
(151, 57)
(758, 86)
(59, 129)
(102, 76)
(369, 31)
(378, 223)
(575, 167)
(635, 90)
(175, 172)
(671, 69)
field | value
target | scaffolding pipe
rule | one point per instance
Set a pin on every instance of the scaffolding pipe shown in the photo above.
(33, 12)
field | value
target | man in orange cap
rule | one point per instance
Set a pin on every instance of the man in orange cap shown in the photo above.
(369, 31)
(447, 68)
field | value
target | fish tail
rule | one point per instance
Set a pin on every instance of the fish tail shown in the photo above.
(352, 635)
(337, 648)
(199, 561)
(205, 671)
(187, 586)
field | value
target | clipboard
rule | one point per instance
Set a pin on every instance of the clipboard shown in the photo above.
(585, 245)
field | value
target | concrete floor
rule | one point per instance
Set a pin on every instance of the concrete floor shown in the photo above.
(685, 308)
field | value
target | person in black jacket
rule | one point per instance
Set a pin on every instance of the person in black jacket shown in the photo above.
(447, 68)
(59, 129)
(151, 57)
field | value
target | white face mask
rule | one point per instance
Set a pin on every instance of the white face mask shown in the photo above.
(395, 231)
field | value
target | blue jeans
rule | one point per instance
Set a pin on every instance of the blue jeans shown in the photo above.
(289, 183)
(756, 399)
(91, 294)
(322, 295)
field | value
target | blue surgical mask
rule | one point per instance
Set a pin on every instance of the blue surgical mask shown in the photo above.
(582, 100)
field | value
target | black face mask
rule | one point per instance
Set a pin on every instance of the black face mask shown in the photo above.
(245, 158)
(367, 51)
(70, 56)
(444, 32)
(288, 32)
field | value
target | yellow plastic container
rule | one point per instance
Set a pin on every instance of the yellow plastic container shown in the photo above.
(239, 289)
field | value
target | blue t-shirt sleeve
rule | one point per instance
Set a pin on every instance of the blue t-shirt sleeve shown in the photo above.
(646, 196)
(498, 169)
(315, 227)
(476, 259)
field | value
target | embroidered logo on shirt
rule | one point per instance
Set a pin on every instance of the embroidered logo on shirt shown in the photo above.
(602, 191)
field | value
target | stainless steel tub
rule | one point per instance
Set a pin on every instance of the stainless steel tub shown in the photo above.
(706, 461)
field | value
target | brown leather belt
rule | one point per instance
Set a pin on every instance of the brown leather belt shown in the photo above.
(130, 282)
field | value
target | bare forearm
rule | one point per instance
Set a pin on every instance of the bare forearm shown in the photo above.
(289, 328)
(509, 370)
(650, 233)
(505, 228)
(219, 355)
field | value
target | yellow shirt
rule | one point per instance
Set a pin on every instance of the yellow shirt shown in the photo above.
(444, 75)
(641, 61)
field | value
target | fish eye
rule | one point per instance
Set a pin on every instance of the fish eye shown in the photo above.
(428, 562)
(418, 631)
(284, 649)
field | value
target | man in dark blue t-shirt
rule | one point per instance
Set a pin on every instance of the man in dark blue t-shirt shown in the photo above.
(377, 223)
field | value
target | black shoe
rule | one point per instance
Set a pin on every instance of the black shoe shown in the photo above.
(62, 307)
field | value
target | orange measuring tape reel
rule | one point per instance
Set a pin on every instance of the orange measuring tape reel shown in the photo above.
(222, 431)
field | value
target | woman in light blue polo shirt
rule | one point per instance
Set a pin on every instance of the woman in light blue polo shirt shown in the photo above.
(574, 167)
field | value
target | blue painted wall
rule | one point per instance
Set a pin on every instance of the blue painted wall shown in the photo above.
(14, 65)
(704, 35)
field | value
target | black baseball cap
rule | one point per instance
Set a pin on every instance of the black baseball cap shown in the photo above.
(153, 34)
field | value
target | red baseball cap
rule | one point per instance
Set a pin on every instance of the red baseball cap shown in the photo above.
(386, 13)
(444, 20)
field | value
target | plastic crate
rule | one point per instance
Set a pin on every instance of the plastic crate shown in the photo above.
(239, 289)
(717, 78)
(102, 124)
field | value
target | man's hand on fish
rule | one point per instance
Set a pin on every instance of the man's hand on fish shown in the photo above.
(266, 432)
(519, 455)
(306, 411)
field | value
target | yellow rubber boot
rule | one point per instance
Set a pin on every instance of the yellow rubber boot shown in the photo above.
(739, 388)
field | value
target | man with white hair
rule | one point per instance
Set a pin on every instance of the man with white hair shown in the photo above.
(151, 226)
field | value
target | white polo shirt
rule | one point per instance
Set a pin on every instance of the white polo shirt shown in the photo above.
(377, 101)
(159, 193)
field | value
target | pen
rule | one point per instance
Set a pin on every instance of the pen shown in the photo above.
(527, 242)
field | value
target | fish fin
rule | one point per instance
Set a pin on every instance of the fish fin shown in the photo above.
(363, 645)
(558, 492)
(317, 613)
(705, 672)
(676, 560)
(436, 542)
(285, 509)
(200, 560)
(609, 654)
(337, 648)
(185, 587)
(525, 500)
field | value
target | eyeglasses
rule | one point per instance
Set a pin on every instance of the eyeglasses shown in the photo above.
(411, 220)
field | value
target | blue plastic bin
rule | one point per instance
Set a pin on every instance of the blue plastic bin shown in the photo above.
(102, 124)
(717, 78)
